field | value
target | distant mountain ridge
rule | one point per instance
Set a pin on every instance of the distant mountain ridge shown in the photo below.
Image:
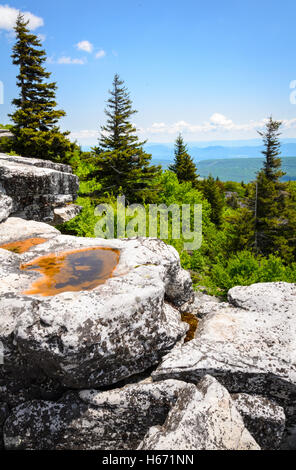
(242, 169)
(236, 160)
(165, 152)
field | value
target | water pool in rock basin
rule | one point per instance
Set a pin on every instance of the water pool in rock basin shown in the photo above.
(72, 271)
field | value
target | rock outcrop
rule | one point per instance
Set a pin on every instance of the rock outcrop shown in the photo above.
(36, 189)
(204, 417)
(250, 349)
(168, 415)
(264, 419)
(92, 420)
(99, 337)
(67, 353)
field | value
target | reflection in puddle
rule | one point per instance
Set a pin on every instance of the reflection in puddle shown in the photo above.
(72, 271)
(22, 246)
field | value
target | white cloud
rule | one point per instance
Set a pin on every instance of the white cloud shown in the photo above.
(85, 46)
(70, 60)
(100, 54)
(217, 122)
(8, 16)
(289, 123)
(85, 134)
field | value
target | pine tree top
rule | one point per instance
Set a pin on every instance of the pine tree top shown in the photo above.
(271, 152)
(119, 132)
(183, 165)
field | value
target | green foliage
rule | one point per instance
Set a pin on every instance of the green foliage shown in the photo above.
(275, 223)
(214, 194)
(244, 268)
(35, 129)
(121, 164)
(183, 165)
(232, 186)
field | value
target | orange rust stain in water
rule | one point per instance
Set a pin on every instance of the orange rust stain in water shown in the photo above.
(193, 324)
(22, 246)
(72, 271)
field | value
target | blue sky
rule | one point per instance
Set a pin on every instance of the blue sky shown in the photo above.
(213, 71)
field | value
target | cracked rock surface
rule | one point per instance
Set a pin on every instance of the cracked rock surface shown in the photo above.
(92, 420)
(203, 417)
(248, 345)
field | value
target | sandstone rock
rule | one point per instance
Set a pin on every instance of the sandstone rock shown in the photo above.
(6, 205)
(36, 187)
(204, 417)
(204, 304)
(249, 351)
(99, 337)
(264, 419)
(64, 214)
(14, 229)
(269, 297)
(90, 420)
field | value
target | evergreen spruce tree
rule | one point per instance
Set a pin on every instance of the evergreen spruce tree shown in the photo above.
(275, 220)
(240, 230)
(122, 165)
(271, 152)
(35, 129)
(213, 193)
(183, 165)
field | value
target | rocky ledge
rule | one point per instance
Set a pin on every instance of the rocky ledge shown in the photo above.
(37, 190)
(94, 338)
(108, 368)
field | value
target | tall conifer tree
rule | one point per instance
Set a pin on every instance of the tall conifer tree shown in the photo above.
(122, 165)
(271, 152)
(183, 165)
(275, 219)
(36, 132)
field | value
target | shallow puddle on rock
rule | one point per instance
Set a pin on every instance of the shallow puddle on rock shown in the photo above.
(21, 246)
(192, 321)
(72, 271)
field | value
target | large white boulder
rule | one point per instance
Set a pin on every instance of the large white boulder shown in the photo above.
(102, 336)
(249, 347)
(203, 418)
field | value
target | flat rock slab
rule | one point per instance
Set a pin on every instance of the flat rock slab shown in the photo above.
(250, 348)
(90, 420)
(99, 337)
(203, 418)
(264, 419)
(36, 187)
